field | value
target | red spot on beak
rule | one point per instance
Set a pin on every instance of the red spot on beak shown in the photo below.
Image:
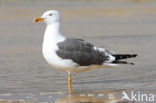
(38, 19)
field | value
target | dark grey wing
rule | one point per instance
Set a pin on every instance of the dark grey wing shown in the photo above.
(80, 52)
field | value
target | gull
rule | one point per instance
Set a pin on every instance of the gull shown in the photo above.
(72, 54)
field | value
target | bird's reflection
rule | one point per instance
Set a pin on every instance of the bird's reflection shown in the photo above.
(98, 96)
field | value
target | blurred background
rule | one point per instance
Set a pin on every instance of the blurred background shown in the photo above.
(123, 26)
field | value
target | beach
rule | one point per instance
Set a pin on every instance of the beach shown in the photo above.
(123, 27)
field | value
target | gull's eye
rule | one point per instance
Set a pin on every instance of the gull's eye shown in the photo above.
(50, 14)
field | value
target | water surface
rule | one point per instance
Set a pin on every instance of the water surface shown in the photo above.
(123, 27)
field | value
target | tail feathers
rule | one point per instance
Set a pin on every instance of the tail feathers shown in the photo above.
(124, 56)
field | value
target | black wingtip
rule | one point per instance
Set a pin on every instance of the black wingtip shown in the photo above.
(135, 55)
(124, 56)
(123, 62)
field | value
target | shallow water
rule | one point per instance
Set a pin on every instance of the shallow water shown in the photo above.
(123, 27)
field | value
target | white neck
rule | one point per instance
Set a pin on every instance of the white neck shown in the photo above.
(53, 30)
(52, 35)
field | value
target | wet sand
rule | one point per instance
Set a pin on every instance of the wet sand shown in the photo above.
(123, 27)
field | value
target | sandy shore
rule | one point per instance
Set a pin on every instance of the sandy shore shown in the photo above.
(123, 27)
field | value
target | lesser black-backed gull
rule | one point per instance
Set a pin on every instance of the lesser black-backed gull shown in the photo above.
(74, 55)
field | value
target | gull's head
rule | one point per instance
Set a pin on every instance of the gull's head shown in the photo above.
(49, 17)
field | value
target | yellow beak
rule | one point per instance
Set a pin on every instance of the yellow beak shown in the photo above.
(38, 19)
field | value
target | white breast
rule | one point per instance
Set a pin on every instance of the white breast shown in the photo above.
(49, 51)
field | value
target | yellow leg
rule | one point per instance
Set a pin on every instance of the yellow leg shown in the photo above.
(69, 82)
